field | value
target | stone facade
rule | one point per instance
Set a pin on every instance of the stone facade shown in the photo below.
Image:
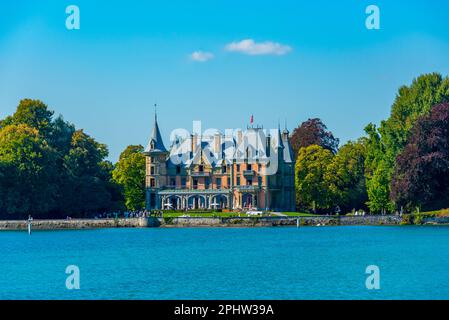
(246, 170)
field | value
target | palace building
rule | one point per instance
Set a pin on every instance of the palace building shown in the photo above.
(246, 170)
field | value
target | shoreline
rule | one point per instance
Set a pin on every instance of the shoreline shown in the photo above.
(182, 222)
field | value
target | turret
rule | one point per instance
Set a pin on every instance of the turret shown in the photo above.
(156, 169)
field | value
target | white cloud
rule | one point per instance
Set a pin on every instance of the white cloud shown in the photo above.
(250, 47)
(201, 56)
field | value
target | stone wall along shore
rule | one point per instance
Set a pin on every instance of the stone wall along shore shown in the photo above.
(75, 224)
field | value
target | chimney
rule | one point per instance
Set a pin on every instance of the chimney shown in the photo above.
(239, 137)
(194, 142)
(285, 135)
(217, 144)
(268, 146)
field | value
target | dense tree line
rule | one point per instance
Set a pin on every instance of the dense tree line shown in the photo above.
(129, 172)
(327, 183)
(402, 164)
(48, 168)
(421, 177)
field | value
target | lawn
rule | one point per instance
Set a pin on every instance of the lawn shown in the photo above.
(437, 213)
(299, 214)
(215, 214)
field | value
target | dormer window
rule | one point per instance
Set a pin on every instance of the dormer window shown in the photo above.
(201, 168)
(152, 144)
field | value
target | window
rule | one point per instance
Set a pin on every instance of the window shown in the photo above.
(238, 168)
(183, 182)
(206, 183)
(173, 182)
(223, 169)
(249, 182)
(248, 167)
(152, 171)
(238, 181)
(152, 200)
(152, 183)
(201, 168)
(218, 182)
(178, 169)
(195, 183)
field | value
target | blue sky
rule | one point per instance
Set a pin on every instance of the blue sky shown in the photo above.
(128, 55)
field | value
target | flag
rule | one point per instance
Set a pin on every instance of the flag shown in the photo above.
(252, 119)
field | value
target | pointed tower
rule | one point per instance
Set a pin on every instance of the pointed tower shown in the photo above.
(288, 151)
(288, 185)
(156, 167)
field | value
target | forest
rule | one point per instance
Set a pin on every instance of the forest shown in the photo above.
(51, 169)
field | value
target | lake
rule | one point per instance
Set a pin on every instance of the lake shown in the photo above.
(227, 263)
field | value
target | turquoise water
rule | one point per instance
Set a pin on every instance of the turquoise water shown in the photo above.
(227, 263)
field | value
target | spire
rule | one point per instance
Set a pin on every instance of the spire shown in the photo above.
(279, 137)
(285, 128)
(288, 151)
(155, 144)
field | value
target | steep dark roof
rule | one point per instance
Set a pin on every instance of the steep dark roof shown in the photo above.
(155, 144)
(280, 142)
(288, 151)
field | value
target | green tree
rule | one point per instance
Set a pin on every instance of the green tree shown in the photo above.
(130, 174)
(85, 155)
(377, 175)
(312, 191)
(345, 176)
(50, 169)
(378, 188)
(33, 113)
(87, 183)
(60, 136)
(388, 141)
(28, 176)
(411, 103)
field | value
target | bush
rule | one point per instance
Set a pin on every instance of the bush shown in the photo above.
(168, 220)
(418, 220)
(407, 219)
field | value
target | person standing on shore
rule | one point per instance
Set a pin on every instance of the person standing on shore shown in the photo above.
(29, 222)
